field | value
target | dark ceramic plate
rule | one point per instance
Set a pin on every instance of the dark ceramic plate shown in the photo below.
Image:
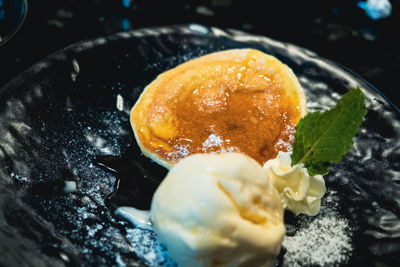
(65, 122)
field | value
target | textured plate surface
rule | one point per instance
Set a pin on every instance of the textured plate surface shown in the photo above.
(75, 104)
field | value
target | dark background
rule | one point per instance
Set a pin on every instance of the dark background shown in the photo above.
(337, 30)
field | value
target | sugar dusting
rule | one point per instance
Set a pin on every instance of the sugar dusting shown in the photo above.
(148, 249)
(323, 240)
(103, 139)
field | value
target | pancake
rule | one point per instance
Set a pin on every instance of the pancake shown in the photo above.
(239, 100)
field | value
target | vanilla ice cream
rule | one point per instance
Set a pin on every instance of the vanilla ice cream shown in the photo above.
(218, 210)
(300, 192)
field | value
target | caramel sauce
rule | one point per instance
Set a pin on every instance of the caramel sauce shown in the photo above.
(219, 106)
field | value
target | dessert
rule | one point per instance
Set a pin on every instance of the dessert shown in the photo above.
(238, 100)
(214, 121)
(300, 192)
(218, 210)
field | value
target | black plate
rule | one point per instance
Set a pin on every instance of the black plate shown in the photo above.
(73, 105)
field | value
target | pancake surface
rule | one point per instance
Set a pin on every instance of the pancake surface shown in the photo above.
(238, 100)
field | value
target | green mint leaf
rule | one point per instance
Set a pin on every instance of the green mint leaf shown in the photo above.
(326, 137)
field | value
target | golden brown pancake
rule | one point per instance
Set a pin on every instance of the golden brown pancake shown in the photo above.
(235, 100)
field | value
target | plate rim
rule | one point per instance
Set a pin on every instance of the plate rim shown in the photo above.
(234, 34)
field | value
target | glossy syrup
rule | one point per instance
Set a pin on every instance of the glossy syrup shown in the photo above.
(137, 178)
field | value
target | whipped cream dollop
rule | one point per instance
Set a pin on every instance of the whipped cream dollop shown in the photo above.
(218, 210)
(300, 192)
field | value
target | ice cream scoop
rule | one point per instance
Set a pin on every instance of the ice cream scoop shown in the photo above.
(218, 210)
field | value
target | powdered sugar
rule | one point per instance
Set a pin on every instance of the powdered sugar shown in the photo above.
(323, 240)
(147, 248)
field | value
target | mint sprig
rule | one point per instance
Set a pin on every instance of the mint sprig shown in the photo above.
(326, 137)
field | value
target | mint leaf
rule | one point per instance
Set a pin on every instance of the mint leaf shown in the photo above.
(326, 137)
